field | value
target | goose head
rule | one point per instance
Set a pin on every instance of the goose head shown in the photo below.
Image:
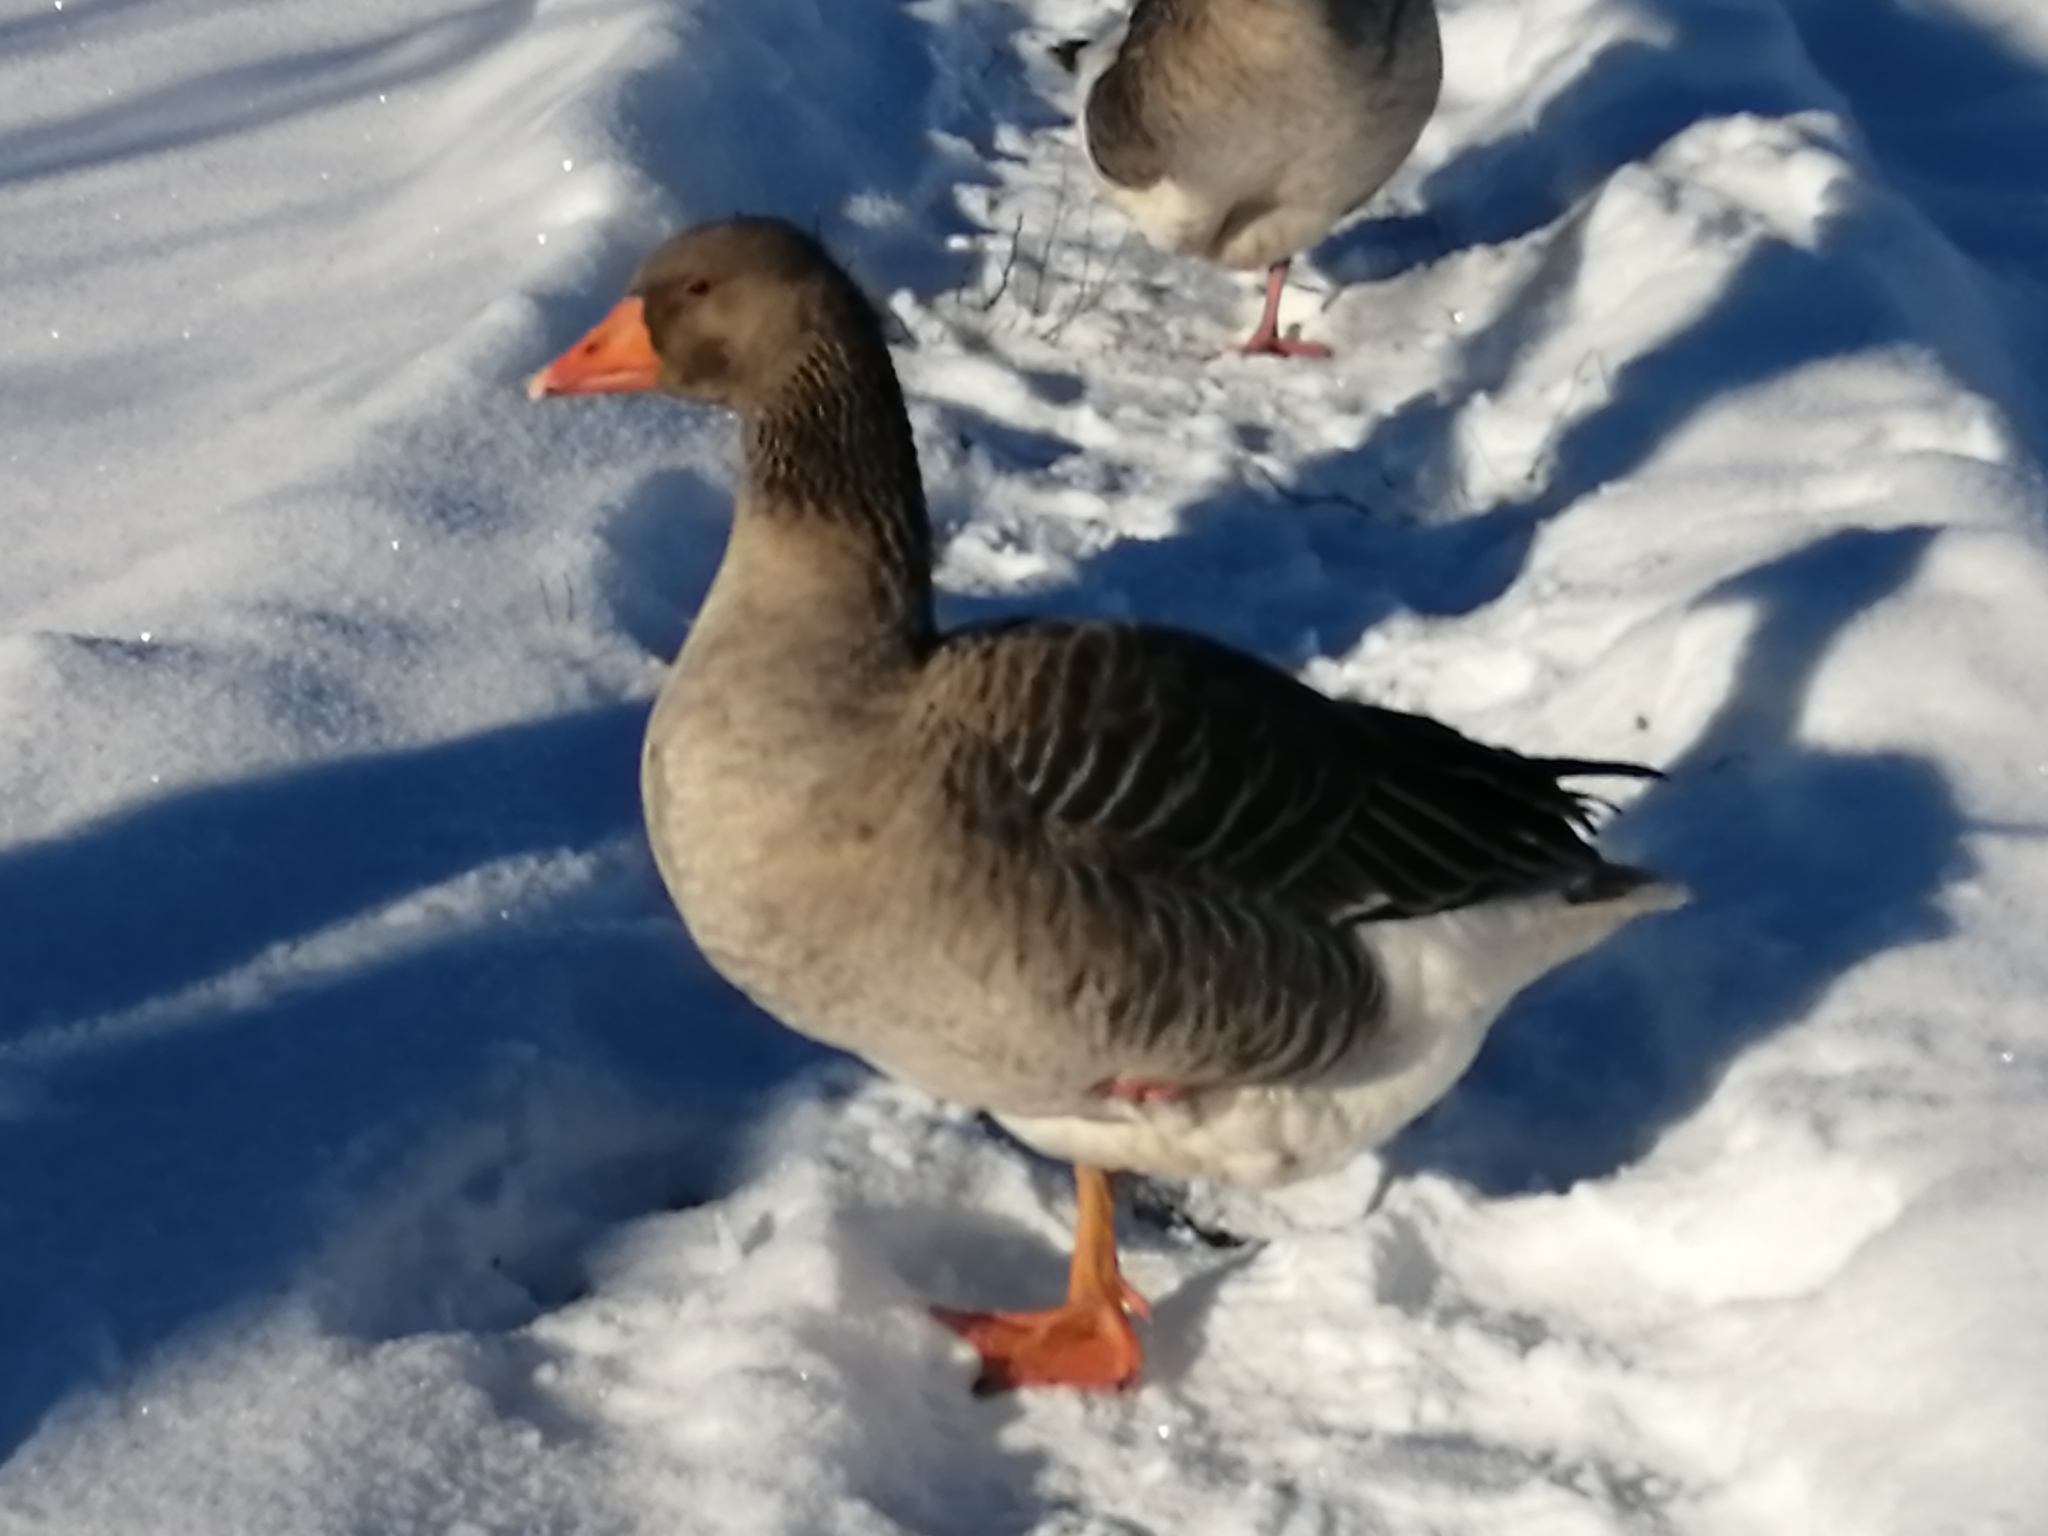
(724, 313)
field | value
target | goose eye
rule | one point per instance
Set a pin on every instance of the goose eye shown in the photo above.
(697, 287)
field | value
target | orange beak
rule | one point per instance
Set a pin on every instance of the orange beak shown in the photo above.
(617, 357)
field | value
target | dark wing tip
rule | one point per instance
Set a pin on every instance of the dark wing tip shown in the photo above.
(1588, 808)
(1595, 768)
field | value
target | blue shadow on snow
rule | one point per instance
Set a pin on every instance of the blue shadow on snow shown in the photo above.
(1967, 140)
(1803, 862)
(239, 98)
(153, 1177)
(1352, 539)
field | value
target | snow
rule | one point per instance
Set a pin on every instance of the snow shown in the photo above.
(377, 1156)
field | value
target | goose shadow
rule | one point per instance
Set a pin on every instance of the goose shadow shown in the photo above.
(158, 1170)
(1803, 862)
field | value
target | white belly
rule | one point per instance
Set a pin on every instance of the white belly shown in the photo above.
(1253, 1136)
(1448, 977)
(1264, 1136)
(1436, 1021)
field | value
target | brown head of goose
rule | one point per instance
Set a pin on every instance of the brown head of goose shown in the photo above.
(1150, 902)
(1244, 131)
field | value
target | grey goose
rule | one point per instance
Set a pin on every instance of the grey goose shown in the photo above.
(1244, 131)
(1151, 903)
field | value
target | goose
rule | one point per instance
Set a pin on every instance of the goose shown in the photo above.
(1151, 903)
(1244, 131)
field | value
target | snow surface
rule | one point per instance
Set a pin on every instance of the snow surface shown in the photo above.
(380, 1159)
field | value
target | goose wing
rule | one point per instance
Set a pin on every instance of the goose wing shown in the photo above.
(1156, 751)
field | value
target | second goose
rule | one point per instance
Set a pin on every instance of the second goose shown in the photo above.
(1244, 131)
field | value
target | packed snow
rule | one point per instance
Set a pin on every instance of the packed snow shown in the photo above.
(380, 1158)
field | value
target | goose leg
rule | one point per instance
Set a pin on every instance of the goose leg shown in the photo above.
(1087, 1341)
(1267, 338)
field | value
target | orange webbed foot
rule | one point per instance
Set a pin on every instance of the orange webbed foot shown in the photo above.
(1084, 1343)
(1088, 1341)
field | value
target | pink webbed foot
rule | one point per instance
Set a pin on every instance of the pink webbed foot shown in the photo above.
(1267, 339)
(1271, 344)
